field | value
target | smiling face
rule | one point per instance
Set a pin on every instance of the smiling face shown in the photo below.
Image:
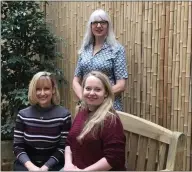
(94, 92)
(99, 28)
(44, 91)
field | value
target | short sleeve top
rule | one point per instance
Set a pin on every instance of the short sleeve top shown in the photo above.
(109, 60)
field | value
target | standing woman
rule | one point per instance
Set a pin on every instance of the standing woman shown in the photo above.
(101, 51)
(96, 141)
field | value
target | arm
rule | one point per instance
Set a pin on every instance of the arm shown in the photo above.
(101, 165)
(120, 71)
(19, 145)
(77, 79)
(119, 86)
(59, 153)
(68, 160)
(77, 87)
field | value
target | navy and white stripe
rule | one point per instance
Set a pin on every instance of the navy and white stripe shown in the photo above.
(41, 133)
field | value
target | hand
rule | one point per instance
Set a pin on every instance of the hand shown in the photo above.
(78, 169)
(44, 168)
(31, 167)
(34, 168)
(69, 167)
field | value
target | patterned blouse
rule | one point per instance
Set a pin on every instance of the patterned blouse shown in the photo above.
(108, 60)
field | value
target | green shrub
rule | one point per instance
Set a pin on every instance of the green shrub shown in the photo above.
(27, 47)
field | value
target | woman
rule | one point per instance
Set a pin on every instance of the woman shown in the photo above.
(42, 128)
(100, 51)
(96, 141)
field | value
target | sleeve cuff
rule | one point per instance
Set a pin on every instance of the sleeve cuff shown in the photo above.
(23, 158)
(51, 162)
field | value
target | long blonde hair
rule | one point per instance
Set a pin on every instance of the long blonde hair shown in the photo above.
(96, 121)
(32, 88)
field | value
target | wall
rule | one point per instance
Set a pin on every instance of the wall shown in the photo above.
(157, 37)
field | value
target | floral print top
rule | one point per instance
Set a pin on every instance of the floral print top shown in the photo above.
(109, 60)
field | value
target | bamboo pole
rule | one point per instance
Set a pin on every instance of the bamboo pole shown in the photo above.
(181, 71)
(139, 55)
(173, 115)
(134, 39)
(129, 54)
(145, 59)
(169, 64)
(165, 70)
(149, 59)
(157, 59)
(161, 61)
(154, 66)
(188, 90)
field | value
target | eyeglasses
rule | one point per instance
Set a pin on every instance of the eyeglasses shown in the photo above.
(102, 23)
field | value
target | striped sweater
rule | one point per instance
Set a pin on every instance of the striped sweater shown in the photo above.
(40, 134)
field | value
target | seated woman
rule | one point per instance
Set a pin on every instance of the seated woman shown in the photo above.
(41, 129)
(96, 141)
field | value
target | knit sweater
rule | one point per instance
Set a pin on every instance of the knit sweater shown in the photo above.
(40, 134)
(109, 143)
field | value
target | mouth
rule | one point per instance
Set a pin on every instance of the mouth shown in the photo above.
(99, 31)
(91, 99)
(43, 98)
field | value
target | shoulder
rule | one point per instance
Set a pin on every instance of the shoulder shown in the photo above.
(27, 111)
(118, 48)
(113, 127)
(112, 120)
(61, 111)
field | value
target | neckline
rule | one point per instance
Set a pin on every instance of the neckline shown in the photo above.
(43, 109)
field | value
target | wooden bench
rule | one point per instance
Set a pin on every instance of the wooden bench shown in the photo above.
(150, 147)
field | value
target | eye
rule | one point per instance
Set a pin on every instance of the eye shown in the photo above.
(87, 88)
(47, 88)
(97, 89)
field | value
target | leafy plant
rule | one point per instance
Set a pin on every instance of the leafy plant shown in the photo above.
(27, 47)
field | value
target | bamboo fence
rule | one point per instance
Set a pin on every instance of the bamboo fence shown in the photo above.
(157, 38)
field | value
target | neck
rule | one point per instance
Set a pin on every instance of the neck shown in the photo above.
(99, 41)
(92, 108)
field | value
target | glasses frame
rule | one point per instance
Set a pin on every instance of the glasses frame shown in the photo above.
(102, 23)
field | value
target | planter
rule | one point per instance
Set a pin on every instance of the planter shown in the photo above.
(7, 156)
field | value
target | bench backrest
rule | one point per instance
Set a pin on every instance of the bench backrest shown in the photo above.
(151, 147)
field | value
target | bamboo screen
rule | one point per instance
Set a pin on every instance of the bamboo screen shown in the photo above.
(157, 37)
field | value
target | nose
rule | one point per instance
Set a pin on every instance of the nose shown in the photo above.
(42, 92)
(98, 24)
(92, 92)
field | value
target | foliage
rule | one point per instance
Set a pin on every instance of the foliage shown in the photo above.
(27, 47)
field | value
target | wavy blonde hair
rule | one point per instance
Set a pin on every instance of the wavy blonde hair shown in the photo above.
(32, 88)
(98, 15)
(95, 122)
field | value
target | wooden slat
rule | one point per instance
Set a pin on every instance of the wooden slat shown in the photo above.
(145, 128)
(161, 156)
(142, 151)
(151, 162)
(175, 154)
(132, 152)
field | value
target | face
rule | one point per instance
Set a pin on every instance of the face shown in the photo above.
(94, 92)
(44, 91)
(99, 28)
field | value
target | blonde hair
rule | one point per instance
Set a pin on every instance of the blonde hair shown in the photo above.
(32, 88)
(98, 15)
(96, 121)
